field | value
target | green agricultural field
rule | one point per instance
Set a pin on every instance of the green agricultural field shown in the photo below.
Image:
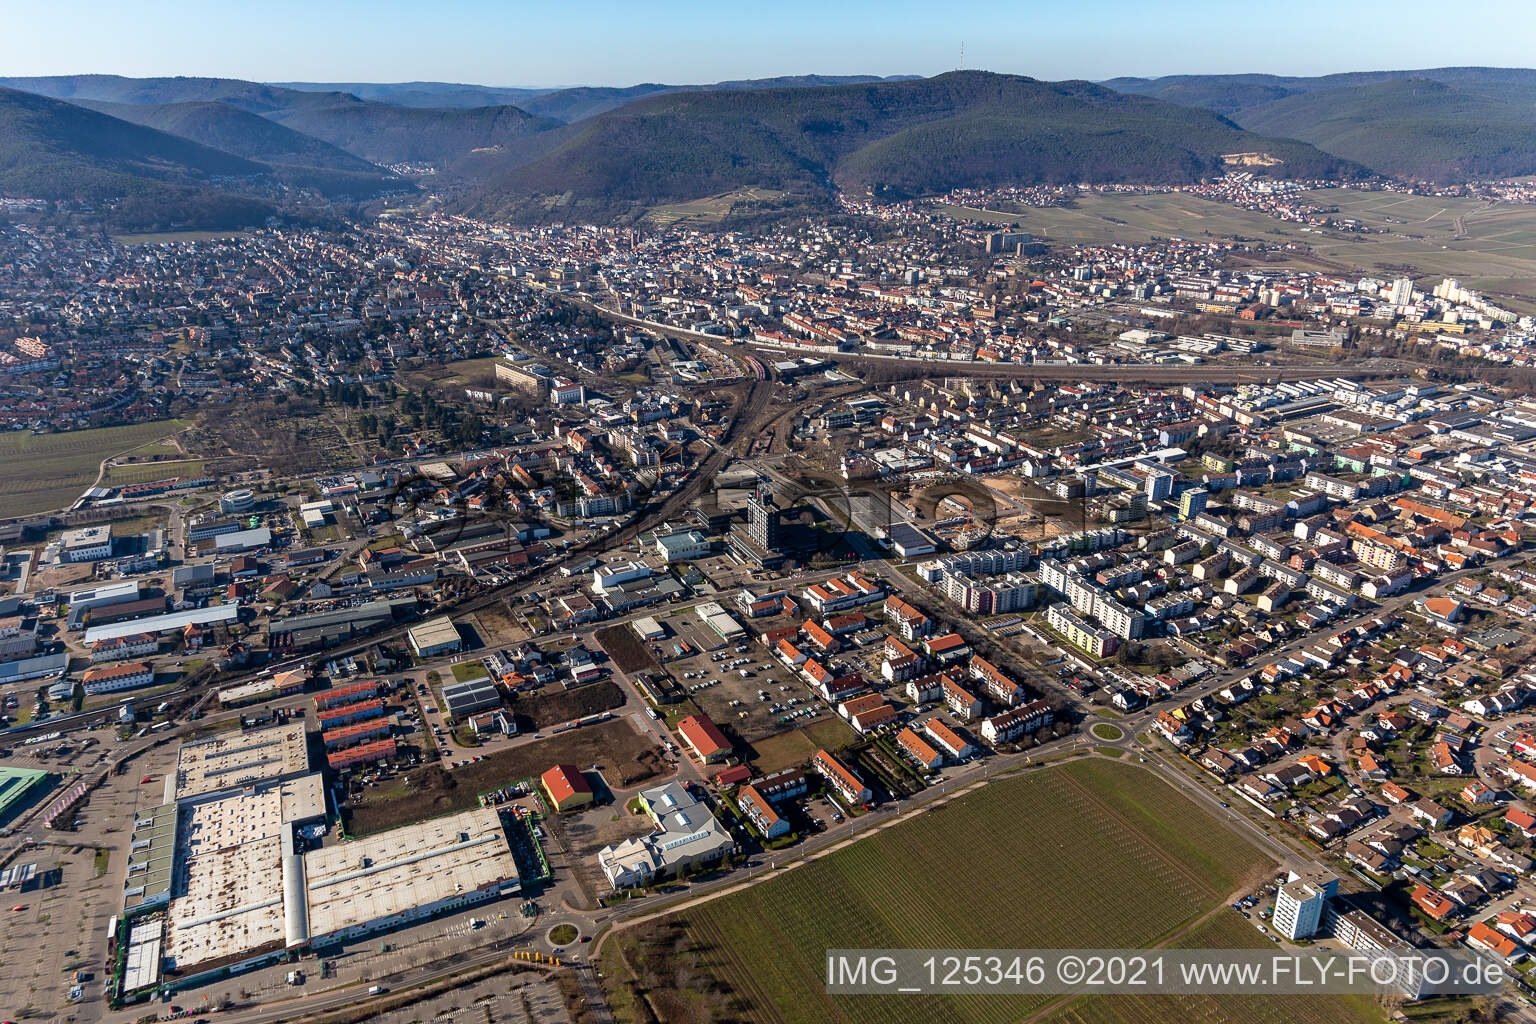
(49, 471)
(1486, 246)
(1093, 853)
(1137, 218)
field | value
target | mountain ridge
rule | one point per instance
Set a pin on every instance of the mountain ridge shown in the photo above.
(900, 138)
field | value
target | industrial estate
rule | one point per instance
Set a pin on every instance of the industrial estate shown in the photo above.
(431, 594)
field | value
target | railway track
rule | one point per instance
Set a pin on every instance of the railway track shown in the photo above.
(747, 422)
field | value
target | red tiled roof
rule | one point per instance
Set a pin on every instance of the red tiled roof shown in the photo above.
(564, 781)
(703, 735)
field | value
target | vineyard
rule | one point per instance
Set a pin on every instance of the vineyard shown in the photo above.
(1224, 931)
(1096, 854)
(49, 471)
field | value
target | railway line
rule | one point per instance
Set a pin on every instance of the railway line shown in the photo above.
(748, 422)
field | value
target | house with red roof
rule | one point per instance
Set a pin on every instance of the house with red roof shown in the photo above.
(1434, 903)
(841, 779)
(1480, 936)
(919, 750)
(704, 738)
(566, 787)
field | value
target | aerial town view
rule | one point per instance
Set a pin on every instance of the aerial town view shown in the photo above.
(1043, 534)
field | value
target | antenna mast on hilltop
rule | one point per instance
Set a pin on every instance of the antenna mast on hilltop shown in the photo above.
(962, 56)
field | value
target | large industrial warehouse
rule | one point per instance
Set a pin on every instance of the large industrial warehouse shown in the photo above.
(217, 883)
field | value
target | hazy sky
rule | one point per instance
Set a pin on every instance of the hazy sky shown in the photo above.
(602, 42)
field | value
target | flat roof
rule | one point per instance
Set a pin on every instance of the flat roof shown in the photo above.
(261, 536)
(33, 668)
(229, 760)
(231, 894)
(435, 632)
(151, 854)
(212, 615)
(120, 590)
(361, 881)
(87, 536)
(146, 943)
(14, 783)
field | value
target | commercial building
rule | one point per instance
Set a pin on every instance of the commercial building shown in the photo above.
(686, 834)
(208, 527)
(324, 629)
(193, 577)
(87, 544)
(434, 637)
(612, 577)
(242, 540)
(282, 684)
(682, 547)
(235, 759)
(566, 787)
(406, 874)
(910, 542)
(34, 668)
(236, 502)
(763, 525)
(467, 698)
(713, 615)
(227, 898)
(151, 854)
(15, 783)
(648, 629)
(171, 622)
(704, 738)
(105, 594)
(222, 863)
(1301, 902)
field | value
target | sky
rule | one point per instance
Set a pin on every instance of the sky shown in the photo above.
(601, 42)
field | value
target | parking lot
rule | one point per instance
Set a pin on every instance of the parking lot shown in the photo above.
(767, 699)
(55, 933)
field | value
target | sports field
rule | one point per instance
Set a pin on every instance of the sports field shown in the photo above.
(49, 471)
(1490, 247)
(1095, 853)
